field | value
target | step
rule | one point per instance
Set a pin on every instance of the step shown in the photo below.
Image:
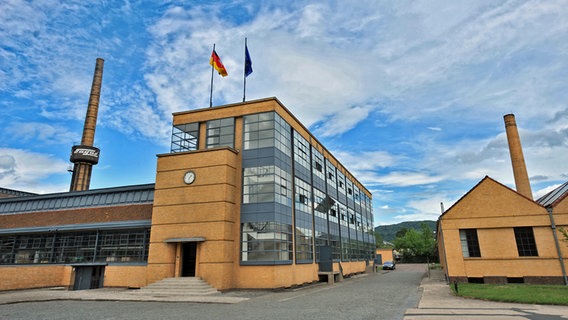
(179, 286)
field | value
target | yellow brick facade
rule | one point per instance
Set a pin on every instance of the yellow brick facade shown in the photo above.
(202, 218)
(209, 209)
(493, 210)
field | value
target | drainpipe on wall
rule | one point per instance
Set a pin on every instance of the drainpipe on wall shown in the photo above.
(553, 226)
(447, 273)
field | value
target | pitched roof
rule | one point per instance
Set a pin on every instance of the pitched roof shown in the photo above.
(126, 195)
(486, 178)
(5, 193)
(551, 198)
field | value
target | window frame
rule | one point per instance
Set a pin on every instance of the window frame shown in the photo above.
(526, 243)
(470, 243)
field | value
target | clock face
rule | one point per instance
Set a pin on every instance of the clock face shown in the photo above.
(189, 177)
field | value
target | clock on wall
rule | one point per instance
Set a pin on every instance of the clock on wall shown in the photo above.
(189, 177)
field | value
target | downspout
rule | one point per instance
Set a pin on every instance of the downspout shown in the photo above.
(441, 233)
(553, 226)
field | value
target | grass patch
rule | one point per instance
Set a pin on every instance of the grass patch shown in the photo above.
(519, 293)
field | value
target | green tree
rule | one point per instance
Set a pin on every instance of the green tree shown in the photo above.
(379, 241)
(564, 234)
(400, 233)
(416, 246)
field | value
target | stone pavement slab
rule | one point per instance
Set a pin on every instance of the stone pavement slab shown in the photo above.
(108, 294)
(438, 302)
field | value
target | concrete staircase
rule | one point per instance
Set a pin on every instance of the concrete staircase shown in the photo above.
(183, 286)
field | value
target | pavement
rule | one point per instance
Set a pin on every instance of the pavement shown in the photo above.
(437, 301)
(109, 294)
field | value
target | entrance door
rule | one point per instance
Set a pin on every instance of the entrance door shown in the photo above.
(88, 277)
(326, 259)
(189, 257)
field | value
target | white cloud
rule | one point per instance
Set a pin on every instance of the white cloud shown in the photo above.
(366, 160)
(416, 217)
(24, 170)
(405, 179)
(541, 192)
(42, 133)
(343, 121)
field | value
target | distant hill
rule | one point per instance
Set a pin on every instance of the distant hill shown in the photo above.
(389, 231)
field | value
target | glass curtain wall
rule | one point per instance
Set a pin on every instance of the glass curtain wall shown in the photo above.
(266, 211)
(281, 166)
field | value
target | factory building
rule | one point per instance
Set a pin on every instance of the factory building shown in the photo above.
(246, 197)
(495, 234)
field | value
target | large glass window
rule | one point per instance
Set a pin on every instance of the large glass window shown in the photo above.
(341, 183)
(318, 164)
(185, 137)
(331, 178)
(469, 243)
(303, 221)
(221, 132)
(119, 246)
(301, 151)
(266, 242)
(267, 184)
(263, 130)
(526, 244)
(76, 247)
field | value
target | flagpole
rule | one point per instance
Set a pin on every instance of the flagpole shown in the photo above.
(212, 69)
(245, 72)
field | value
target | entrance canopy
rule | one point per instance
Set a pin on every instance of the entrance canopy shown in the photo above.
(182, 240)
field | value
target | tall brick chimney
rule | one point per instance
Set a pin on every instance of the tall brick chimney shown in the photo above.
(518, 160)
(85, 155)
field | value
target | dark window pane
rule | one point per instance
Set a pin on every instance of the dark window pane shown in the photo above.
(526, 244)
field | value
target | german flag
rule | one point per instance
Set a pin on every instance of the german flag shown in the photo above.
(215, 61)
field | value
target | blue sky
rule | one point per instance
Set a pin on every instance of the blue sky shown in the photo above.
(409, 95)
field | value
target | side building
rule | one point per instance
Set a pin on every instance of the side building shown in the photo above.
(78, 240)
(247, 197)
(495, 234)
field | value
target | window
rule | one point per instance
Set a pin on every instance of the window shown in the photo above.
(185, 137)
(73, 247)
(330, 170)
(264, 130)
(220, 132)
(525, 242)
(333, 213)
(301, 150)
(266, 242)
(303, 222)
(319, 167)
(267, 184)
(469, 243)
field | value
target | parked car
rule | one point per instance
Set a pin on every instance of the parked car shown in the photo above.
(389, 265)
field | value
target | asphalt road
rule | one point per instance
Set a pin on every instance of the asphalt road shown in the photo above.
(382, 295)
